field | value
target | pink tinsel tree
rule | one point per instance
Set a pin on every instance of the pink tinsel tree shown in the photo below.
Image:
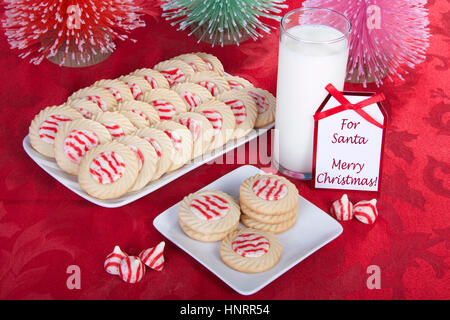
(387, 38)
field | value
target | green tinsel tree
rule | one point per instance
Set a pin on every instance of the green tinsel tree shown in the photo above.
(223, 21)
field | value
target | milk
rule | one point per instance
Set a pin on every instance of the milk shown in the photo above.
(304, 69)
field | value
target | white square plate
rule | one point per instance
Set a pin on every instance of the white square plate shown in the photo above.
(314, 229)
(69, 181)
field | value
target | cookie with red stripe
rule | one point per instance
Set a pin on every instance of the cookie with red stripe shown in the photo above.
(86, 108)
(45, 125)
(238, 83)
(366, 211)
(118, 88)
(265, 103)
(342, 209)
(163, 147)
(212, 62)
(113, 260)
(197, 63)
(131, 269)
(192, 94)
(205, 237)
(222, 120)
(181, 138)
(250, 250)
(74, 139)
(154, 257)
(102, 97)
(268, 194)
(108, 171)
(147, 159)
(244, 110)
(137, 85)
(117, 124)
(201, 130)
(215, 83)
(154, 78)
(209, 213)
(175, 71)
(140, 113)
(166, 102)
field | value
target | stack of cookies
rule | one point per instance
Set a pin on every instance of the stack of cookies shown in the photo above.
(208, 215)
(268, 203)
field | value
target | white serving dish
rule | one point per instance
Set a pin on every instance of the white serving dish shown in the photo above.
(314, 229)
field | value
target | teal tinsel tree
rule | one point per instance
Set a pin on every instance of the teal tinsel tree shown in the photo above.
(223, 21)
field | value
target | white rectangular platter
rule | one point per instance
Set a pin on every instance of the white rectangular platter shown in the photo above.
(49, 165)
(314, 229)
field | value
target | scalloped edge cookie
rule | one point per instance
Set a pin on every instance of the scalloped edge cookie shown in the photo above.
(199, 92)
(141, 109)
(118, 89)
(107, 102)
(267, 116)
(186, 71)
(212, 62)
(138, 85)
(158, 97)
(151, 75)
(220, 85)
(117, 124)
(196, 63)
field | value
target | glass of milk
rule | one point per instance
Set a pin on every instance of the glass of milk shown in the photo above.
(313, 52)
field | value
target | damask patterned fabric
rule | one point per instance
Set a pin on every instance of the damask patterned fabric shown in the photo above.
(45, 228)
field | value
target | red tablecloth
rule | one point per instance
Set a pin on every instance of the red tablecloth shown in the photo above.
(44, 227)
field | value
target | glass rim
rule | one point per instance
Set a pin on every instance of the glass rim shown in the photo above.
(349, 25)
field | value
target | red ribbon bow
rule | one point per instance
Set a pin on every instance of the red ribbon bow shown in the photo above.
(346, 105)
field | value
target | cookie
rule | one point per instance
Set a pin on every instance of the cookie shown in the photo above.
(147, 159)
(102, 97)
(212, 62)
(268, 218)
(238, 83)
(210, 237)
(74, 139)
(194, 61)
(181, 138)
(215, 83)
(46, 124)
(192, 94)
(149, 116)
(117, 124)
(209, 212)
(86, 108)
(201, 130)
(175, 71)
(274, 228)
(108, 171)
(138, 85)
(118, 88)
(163, 147)
(222, 120)
(244, 110)
(249, 250)
(166, 102)
(266, 104)
(268, 194)
(154, 78)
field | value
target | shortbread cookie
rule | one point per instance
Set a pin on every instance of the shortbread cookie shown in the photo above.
(163, 147)
(210, 237)
(268, 194)
(266, 104)
(212, 62)
(74, 139)
(249, 250)
(236, 82)
(201, 129)
(215, 83)
(154, 78)
(108, 171)
(88, 109)
(192, 94)
(244, 110)
(138, 85)
(147, 159)
(100, 96)
(197, 63)
(181, 138)
(222, 120)
(175, 71)
(166, 102)
(269, 218)
(209, 212)
(142, 109)
(46, 124)
(275, 228)
(118, 88)
(117, 124)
